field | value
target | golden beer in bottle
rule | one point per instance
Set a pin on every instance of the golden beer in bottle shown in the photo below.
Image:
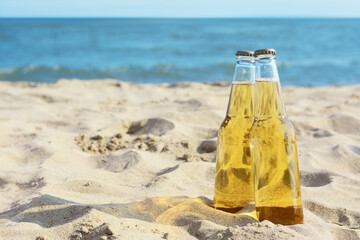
(233, 180)
(273, 148)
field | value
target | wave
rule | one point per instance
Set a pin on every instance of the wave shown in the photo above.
(133, 73)
(302, 74)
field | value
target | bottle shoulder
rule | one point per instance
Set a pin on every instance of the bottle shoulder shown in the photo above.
(237, 122)
(235, 130)
(277, 120)
(273, 127)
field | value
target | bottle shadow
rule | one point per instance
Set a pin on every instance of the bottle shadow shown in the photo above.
(50, 211)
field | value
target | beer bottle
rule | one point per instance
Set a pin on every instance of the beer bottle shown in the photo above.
(233, 181)
(273, 148)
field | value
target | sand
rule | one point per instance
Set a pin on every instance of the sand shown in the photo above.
(106, 159)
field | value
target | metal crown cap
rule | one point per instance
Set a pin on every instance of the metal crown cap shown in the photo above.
(264, 51)
(244, 53)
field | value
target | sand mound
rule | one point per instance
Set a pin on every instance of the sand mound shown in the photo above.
(99, 144)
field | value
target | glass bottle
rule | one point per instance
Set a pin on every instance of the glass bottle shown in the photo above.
(273, 148)
(233, 180)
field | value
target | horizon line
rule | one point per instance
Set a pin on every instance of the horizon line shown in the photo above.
(113, 17)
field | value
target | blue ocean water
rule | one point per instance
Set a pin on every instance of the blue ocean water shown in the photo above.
(310, 51)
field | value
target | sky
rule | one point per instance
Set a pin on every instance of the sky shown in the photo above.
(180, 8)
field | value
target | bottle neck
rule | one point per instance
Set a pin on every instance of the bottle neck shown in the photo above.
(242, 89)
(266, 68)
(241, 101)
(268, 97)
(244, 70)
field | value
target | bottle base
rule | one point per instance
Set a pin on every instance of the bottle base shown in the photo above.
(280, 215)
(229, 210)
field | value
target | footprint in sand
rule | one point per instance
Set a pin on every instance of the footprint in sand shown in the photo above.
(119, 163)
(37, 154)
(336, 215)
(301, 128)
(189, 105)
(154, 126)
(56, 124)
(344, 124)
(315, 179)
(3, 182)
(321, 133)
(207, 146)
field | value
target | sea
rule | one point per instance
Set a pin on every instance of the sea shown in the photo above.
(311, 52)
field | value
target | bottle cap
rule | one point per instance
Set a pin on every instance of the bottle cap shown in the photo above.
(265, 51)
(244, 53)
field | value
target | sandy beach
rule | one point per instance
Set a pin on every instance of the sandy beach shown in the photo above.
(106, 159)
